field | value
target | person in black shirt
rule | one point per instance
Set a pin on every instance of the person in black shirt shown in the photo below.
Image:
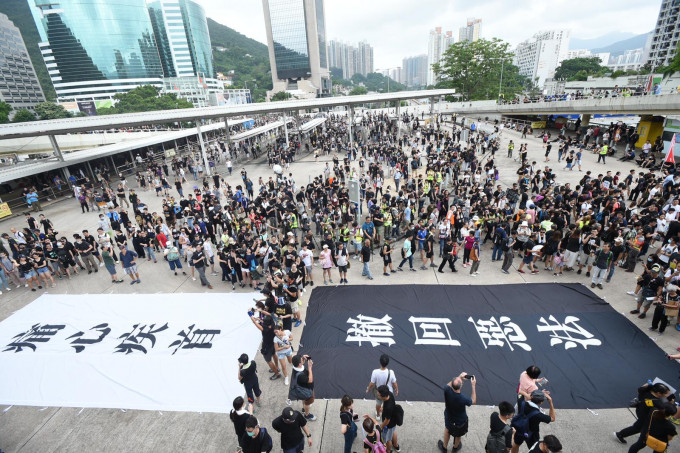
(199, 259)
(389, 423)
(256, 438)
(347, 426)
(291, 425)
(499, 439)
(650, 397)
(266, 326)
(247, 375)
(239, 415)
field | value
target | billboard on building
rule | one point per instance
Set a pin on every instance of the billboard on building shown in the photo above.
(88, 108)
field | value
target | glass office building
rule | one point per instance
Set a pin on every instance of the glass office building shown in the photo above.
(289, 33)
(181, 31)
(19, 86)
(296, 35)
(94, 49)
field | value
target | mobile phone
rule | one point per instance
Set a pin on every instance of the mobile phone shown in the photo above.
(469, 376)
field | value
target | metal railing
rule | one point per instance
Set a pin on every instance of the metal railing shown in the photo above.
(577, 97)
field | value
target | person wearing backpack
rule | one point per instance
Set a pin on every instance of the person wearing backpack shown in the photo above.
(372, 440)
(256, 438)
(455, 414)
(529, 417)
(382, 376)
(499, 439)
(392, 415)
(302, 380)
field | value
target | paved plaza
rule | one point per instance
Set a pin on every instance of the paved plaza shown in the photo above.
(54, 429)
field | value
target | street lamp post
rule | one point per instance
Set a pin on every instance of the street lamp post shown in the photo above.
(500, 84)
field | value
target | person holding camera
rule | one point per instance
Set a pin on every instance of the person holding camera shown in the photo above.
(666, 307)
(455, 415)
(650, 397)
(302, 389)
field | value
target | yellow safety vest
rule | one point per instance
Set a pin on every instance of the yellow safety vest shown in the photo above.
(358, 234)
(293, 221)
(388, 219)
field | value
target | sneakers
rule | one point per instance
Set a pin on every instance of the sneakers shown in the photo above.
(275, 377)
(311, 417)
(631, 293)
(505, 272)
(578, 272)
(400, 269)
(297, 323)
(412, 270)
(386, 274)
(599, 285)
(593, 285)
(534, 272)
(587, 274)
(620, 438)
(642, 316)
(286, 381)
(634, 312)
(440, 445)
(520, 271)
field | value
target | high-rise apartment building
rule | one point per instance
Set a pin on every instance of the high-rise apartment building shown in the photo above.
(351, 59)
(181, 31)
(538, 57)
(414, 71)
(472, 30)
(437, 45)
(19, 86)
(666, 34)
(94, 49)
(296, 36)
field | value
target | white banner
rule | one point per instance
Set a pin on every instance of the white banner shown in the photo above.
(173, 352)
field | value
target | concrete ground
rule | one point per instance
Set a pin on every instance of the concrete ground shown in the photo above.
(54, 429)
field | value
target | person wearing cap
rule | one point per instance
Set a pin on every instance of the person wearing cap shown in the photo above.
(532, 410)
(665, 308)
(651, 285)
(293, 428)
(618, 251)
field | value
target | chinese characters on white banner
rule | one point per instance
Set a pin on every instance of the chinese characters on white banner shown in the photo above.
(492, 332)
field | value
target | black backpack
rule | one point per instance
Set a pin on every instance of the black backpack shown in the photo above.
(398, 414)
(521, 420)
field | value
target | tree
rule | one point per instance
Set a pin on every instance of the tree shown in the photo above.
(145, 98)
(51, 111)
(474, 70)
(570, 69)
(673, 66)
(22, 116)
(281, 96)
(5, 108)
(357, 90)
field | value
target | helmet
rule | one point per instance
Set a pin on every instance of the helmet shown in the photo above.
(656, 268)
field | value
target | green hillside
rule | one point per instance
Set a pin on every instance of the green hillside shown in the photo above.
(249, 59)
(19, 13)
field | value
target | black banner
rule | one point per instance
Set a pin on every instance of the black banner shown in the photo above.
(592, 356)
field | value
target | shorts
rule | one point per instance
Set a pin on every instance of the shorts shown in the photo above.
(309, 269)
(283, 354)
(43, 270)
(295, 307)
(528, 259)
(519, 439)
(645, 294)
(30, 274)
(429, 254)
(583, 258)
(342, 269)
(131, 270)
(387, 259)
(268, 354)
(386, 434)
(111, 268)
(456, 430)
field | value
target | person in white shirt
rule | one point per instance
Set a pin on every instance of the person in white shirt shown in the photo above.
(307, 259)
(382, 376)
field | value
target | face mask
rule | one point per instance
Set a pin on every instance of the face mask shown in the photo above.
(250, 434)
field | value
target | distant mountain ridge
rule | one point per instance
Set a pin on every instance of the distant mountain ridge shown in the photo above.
(619, 47)
(601, 41)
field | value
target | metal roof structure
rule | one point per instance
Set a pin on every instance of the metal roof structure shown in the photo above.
(309, 125)
(30, 168)
(72, 125)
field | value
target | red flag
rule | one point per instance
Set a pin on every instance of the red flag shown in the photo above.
(670, 156)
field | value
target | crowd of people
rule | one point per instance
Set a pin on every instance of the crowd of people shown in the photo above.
(433, 189)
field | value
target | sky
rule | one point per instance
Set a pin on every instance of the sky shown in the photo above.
(400, 28)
